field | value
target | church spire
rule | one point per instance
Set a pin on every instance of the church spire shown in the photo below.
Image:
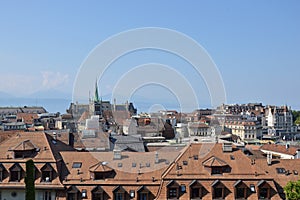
(96, 97)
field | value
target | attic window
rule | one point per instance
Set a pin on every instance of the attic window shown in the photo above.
(182, 188)
(232, 157)
(184, 162)
(120, 165)
(280, 170)
(195, 157)
(76, 165)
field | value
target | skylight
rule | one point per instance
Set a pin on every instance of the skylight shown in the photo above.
(280, 170)
(76, 165)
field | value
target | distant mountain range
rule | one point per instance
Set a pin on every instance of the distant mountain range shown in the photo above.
(51, 100)
(56, 101)
(50, 94)
(5, 95)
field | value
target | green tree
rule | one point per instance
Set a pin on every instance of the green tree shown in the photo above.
(29, 181)
(296, 117)
(297, 121)
(292, 190)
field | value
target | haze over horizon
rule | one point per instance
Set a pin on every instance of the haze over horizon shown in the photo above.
(255, 45)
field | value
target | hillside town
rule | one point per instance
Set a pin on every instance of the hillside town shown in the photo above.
(105, 150)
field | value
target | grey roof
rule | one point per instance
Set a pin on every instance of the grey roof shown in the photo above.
(129, 143)
(25, 109)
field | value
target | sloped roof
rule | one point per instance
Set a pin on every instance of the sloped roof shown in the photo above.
(214, 162)
(28, 141)
(100, 167)
(280, 149)
(129, 143)
(84, 116)
(27, 118)
(23, 146)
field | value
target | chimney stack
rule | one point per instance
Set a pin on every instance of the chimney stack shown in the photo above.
(54, 136)
(117, 154)
(71, 139)
(269, 158)
(227, 147)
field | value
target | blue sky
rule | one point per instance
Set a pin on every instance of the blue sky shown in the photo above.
(255, 44)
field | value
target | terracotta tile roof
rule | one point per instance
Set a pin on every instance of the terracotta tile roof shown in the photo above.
(120, 115)
(27, 118)
(132, 166)
(83, 117)
(39, 139)
(214, 162)
(4, 135)
(198, 125)
(280, 149)
(24, 145)
(188, 167)
(43, 156)
(100, 167)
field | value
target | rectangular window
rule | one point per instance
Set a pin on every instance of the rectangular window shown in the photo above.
(47, 195)
(143, 196)
(263, 193)
(218, 193)
(46, 176)
(196, 193)
(76, 165)
(172, 192)
(216, 170)
(72, 196)
(97, 196)
(240, 193)
(119, 196)
(15, 176)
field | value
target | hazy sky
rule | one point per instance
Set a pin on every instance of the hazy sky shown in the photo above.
(254, 44)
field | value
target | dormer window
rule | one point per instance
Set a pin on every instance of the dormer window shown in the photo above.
(47, 173)
(264, 190)
(143, 193)
(216, 166)
(196, 190)
(216, 170)
(120, 193)
(219, 190)
(98, 193)
(173, 190)
(15, 172)
(101, 171)
(25, 149)
(73, 193)
(240, 190)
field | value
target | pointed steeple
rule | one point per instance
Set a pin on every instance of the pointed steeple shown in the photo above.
(96, 97)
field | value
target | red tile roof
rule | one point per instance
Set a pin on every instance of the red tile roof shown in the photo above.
(280, 149)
